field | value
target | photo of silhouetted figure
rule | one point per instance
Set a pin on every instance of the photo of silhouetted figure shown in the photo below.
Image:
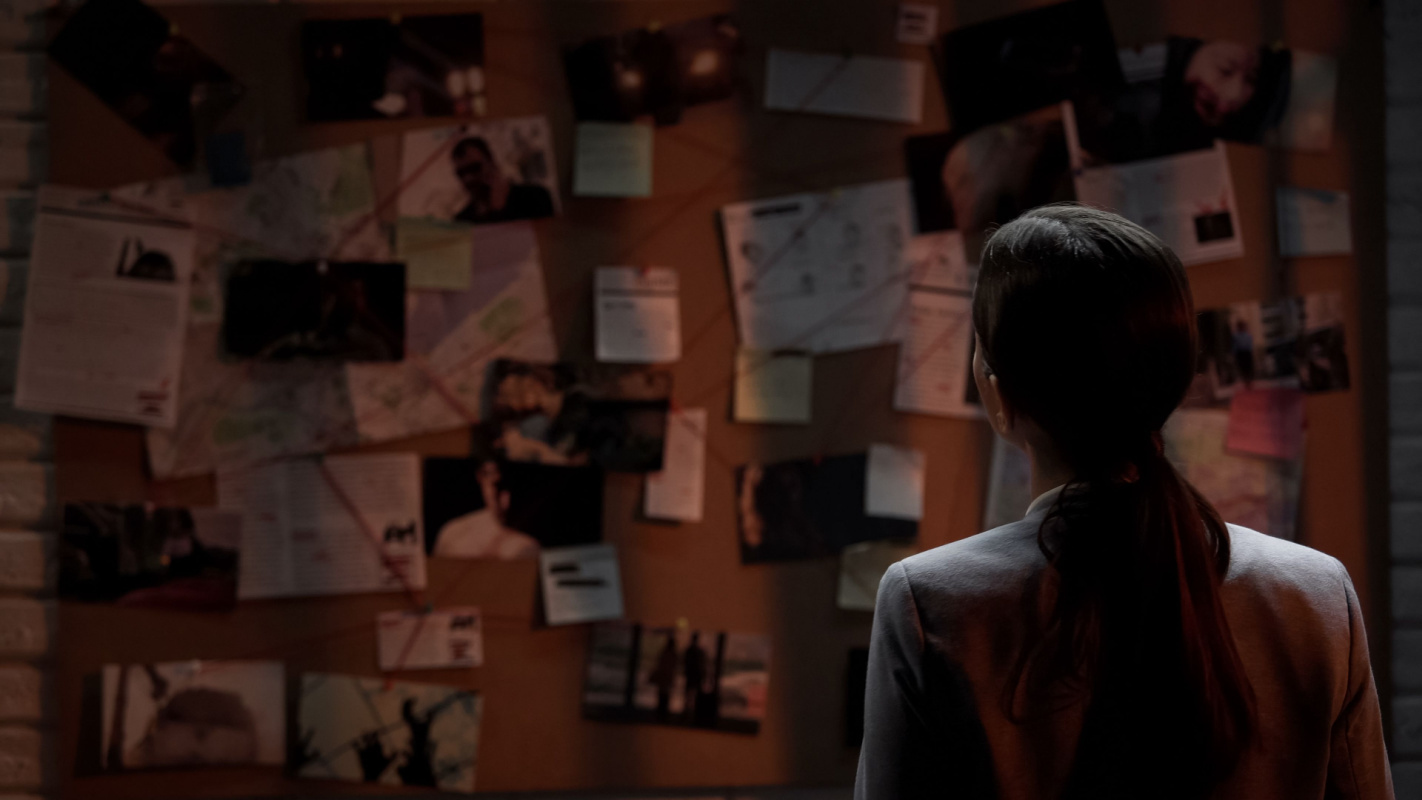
(664, 678)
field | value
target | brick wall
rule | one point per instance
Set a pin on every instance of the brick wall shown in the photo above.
(1404, 223)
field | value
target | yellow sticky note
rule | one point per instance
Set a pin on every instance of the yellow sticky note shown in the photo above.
(437, 255)
(773, 386)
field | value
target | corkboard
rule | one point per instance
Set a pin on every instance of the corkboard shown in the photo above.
(533, 737)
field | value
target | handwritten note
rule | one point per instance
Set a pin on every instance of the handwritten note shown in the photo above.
(1313, 222)
(580, 584)
(613, 159)
(638, 315)
(437, 255)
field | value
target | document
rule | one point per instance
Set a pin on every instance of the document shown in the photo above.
(678, 491)
(1258, 493)
(862, 566)
(1267, 421)
(340, 525)
(580, 584)
(823, 272)
(106, 311)
(439, 639)
(894, 486)
(638, 315)
(437, 255)
(1187, 199)
(1313, 222)
(935, 372)
(773, 386)
(613, 159)
(918, 23)
(851, 86)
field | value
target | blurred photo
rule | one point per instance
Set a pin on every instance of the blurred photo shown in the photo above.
(990, 175)
(491, 508)
(133, 59)
(657, 71)
(334, 311)
(809, 508)
(1009, 66)
(193, 714)
(1298, 341)
(574, 415)
(480, 173)
(418, 66)
(370, 730)
(674, 676)
(179, 558)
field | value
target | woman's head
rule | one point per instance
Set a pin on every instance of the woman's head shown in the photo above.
(1086, 336)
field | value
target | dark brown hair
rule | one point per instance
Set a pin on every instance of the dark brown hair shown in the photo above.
(1086, 321)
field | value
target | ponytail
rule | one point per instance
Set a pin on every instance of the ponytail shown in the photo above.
(1136, 634)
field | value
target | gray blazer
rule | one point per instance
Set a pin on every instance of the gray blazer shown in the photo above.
(943, 641)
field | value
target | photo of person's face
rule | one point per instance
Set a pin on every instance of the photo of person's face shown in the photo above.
(1221, 78)
(475, 170)
(752, 526)
(526, 394)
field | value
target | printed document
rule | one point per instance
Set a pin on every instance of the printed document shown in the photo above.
(677, 492)
(638, 315)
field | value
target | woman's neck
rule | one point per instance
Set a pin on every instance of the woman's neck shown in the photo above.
(1048, 471)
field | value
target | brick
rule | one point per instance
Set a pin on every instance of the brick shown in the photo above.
(1404, 269)
(23, 758)
(26, 628)
(1404, 336)
(1405, 402)
(26, 694)
(28, 561)
(1407, 594)
(1407, 659)
(1405, 467)
(1406, 518)
(1407, 779)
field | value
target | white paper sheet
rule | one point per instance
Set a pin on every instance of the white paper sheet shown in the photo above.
(821, 272)
(580, 584)
(638, 315)
(918, 23)
(1313, 222)
(1187, 199)
(773, 387)
(613, 159)
(442, 638)
(678, 491)
(453, 337)
(106, 311)
(854, 86)
(935, 366)
(894, 485)
(300, 539)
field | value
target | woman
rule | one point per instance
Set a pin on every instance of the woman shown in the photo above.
(1121, 640)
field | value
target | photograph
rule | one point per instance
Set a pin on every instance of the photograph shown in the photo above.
(394, 67)
(613, 417)
(371, 730)
(808, 508)
(676, 676)
(657, 70)
(1011, 65)
(1298, 341)
(193, 714)
(493, 171)
(991, 175)
(492, 508)
(132, 555)
(329, 311)
(1183, 94)
(137, 63)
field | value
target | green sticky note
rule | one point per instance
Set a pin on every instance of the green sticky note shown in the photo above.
(437, 255)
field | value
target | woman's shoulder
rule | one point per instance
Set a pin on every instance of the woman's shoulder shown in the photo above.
(1259, 559)
(988, 563)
